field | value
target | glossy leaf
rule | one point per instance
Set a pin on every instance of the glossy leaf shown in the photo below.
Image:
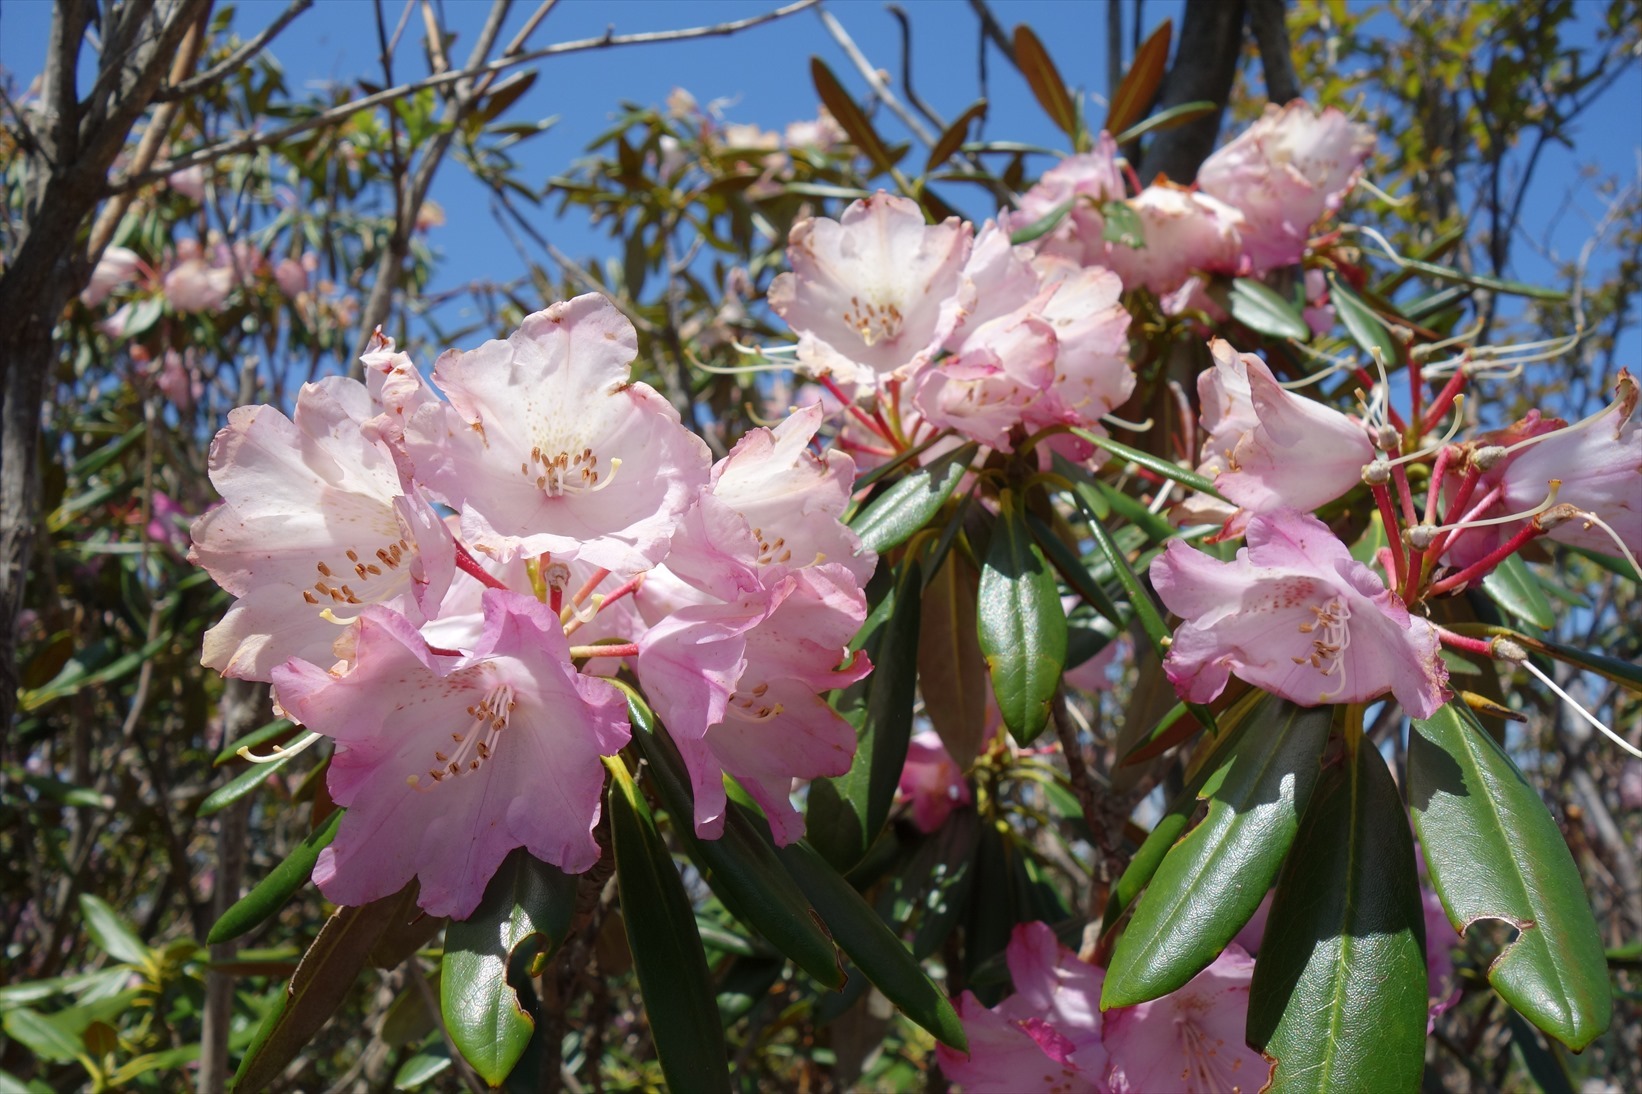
(1210, 883)
(891, 518)
(528, 902)
(1494, 852)
(321, 983)
(1045, 81)
(1022, 626)
(842, 106)
(740, 866)
(1515, 588)
(1138, 88)
(667, 954)
(270, 894)
(871, 945)
(1339, 997)
(240, 785)
(853, 807)
(1266, 312)
(1156, 464)
(1361, 321)
(111, 932)
(1482, 281)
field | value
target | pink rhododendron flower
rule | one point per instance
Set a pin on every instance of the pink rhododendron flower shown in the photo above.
(931, 782)
(750, 616)
(548, 446)
(1086, 181)
(189, 182)
(1045, 1037)
(1284, 173)
(194, 285)
(866, 293)
(446, 764)
(1191, 1040)
(117, 266)
(1185, 232)
(316, 524)
(1296, 615)
(1599, 464)
(1300, 454)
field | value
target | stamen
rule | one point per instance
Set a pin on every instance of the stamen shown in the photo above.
(1534, 671)
(279, 752)
(476, 744)
(1550, 500)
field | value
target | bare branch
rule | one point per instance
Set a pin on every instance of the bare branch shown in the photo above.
(875, 80)
(252, 141)
(235, 61)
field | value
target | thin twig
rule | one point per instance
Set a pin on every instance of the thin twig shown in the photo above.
(251, 141)
(235, 61)
(875, 80)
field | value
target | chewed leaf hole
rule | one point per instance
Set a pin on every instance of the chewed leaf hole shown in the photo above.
(1494, 936)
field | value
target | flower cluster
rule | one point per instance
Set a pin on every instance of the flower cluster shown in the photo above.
(436, 650)
(1051, 1034)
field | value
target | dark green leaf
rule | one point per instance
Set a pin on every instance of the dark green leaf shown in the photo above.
(1156, 464)
(528, 902)
(871, 945)
(1483, 281)
(271, 893)
(667, 954)
(1022, 626)
(273, 731)
(1495, 852)
(891, 518)
(41, 1035)
(1338, 998)
(322, 980)
(1266, 312)
(240, 785)
(1361, 321)
(951, 670)
(740, 865)
(1514, 587)
(1211, 882)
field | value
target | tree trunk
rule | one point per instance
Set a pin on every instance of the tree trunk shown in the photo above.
(1205, 64)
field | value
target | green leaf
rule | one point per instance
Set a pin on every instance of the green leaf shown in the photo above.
(270, 894)
(1338, 998)
(1155, 464)
(321, 983)
(1042, 226)
(273, 731)
(1022, 626)
(1138, 88)
(1140, 598)
(42, 1036)
(884, 724)
(1264, 311)
(1044, 79)
(1482, 281)
(661, 931)
(1120, 224)
(891, 518)
(111, 932)
(741, 867)
(1495, 852)
(871, 945)
(1167, 119)
(1361, 321)
(240, 785)
(528, 902)
(1211, 882)
(419, 1069)
(1515, 588)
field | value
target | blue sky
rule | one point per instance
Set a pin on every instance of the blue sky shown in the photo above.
(763, 75)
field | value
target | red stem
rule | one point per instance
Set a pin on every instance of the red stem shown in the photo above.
(1393, 534)
(860, 415)
(625, 649)
(1464, 642)
(1433, 491)
(1444, 401)
(1455, 517)
(1416, 387)
(470, 566)
(1480, 568)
